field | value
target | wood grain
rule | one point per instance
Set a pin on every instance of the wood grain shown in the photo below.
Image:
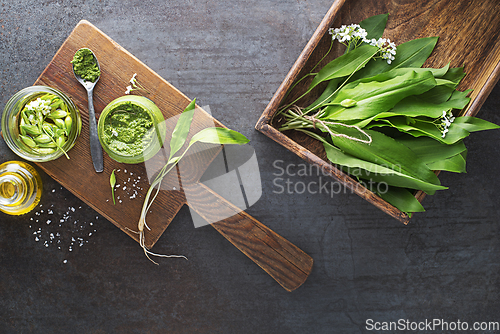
(469, 36)
(285, 262)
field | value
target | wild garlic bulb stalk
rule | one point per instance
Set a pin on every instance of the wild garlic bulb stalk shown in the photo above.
(147, 205)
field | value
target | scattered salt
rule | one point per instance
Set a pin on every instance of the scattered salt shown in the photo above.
(56, 235)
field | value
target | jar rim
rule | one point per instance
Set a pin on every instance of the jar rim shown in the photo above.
(159, 127)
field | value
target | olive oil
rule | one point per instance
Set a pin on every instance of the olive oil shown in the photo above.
(20, 187)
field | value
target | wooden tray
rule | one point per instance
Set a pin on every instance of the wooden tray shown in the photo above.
(469, 36)
(285, 262)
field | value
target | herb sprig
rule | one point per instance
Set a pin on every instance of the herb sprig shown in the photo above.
(211, 135)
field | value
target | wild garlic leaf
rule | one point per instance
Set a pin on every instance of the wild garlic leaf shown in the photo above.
(413, 53)
(218, 135)
(389, 173)
(472, 124)
(420, 127)
(375, 97)
(455, 164)
(386, 151)
(397, 180)
(326, 96)
(375, 25)
(181, 130)
(345, 65)
(413, 106)
(112, 182)
(455, 74)
(430, 150)
(402, 199)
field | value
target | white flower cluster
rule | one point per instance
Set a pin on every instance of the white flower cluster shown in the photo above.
(446, 121)
(348, 33)
(39, 104)
(134, 85)
(387, 48)
(133, 81)
(354, 33)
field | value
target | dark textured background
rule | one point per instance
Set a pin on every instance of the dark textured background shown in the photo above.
(232, 55)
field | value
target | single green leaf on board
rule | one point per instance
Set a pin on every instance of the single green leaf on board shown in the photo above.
(374, 25)
(413, 53)
(375, 97)
(181, 130)
(345, 65)
(112, 182)
(390, 174)
(220, 136)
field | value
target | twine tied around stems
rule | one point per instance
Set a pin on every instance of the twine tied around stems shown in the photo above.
(314, 119)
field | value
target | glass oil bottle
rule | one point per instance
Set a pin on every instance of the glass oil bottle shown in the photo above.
(20, 187)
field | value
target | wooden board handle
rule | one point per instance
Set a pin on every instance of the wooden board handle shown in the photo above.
(285, 262)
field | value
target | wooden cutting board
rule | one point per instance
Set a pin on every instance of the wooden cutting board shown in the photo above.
(285, 262)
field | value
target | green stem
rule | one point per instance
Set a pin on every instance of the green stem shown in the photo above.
(157, 183)
(310, 73)
(55, 142)
(342, 85)
(314, 135)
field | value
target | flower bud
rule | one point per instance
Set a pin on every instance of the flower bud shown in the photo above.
(348, 103)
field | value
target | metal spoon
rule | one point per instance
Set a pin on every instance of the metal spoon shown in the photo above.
(95, 145)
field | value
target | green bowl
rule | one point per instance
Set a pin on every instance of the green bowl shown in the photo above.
(131, 129)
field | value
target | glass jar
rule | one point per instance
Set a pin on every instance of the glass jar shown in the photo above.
(131, 129)
(12, 119)
(20, 187)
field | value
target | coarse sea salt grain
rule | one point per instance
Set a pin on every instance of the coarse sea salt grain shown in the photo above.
(61, 235)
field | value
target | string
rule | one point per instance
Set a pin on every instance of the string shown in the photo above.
(314, 119)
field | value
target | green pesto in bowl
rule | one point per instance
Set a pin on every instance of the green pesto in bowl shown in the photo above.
(131, 129)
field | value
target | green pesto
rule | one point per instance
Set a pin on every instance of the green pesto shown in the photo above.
(85, 65)
(128, 129)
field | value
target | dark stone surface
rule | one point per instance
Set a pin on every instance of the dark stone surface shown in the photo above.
(232, 56)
